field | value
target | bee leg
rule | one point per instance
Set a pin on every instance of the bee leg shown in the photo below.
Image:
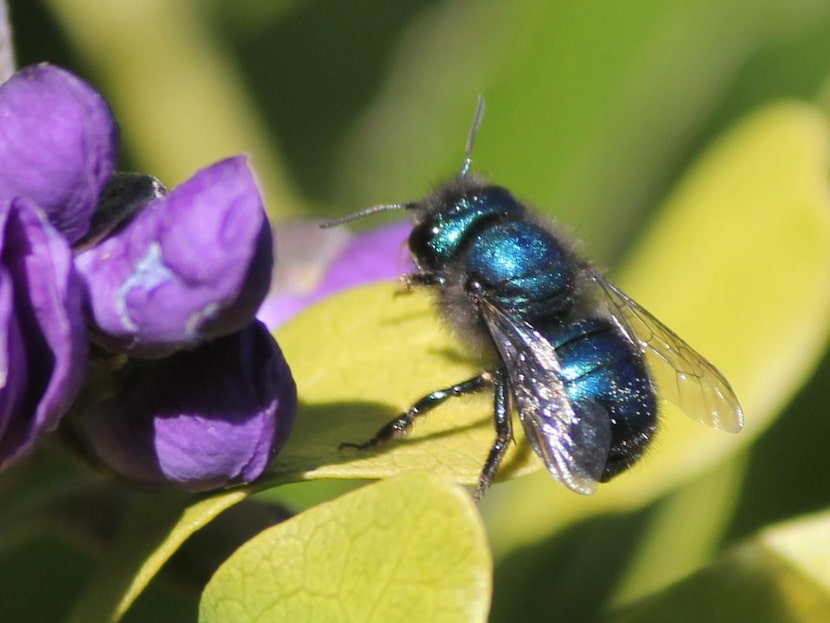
(401, 424)
(504, 434)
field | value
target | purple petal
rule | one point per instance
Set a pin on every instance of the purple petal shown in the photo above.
(193, 265)
(58, 145)
(197, 420)
(315, 264)
(47, 303)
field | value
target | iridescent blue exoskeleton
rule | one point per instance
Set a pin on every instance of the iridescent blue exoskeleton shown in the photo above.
(578, 360)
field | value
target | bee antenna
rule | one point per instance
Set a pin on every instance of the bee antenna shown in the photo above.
(366, 212)
(471, 137)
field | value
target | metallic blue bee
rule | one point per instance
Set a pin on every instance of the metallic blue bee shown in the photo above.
(578, 360)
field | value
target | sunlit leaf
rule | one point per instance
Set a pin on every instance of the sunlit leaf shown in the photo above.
(410, 548)
(361, 358)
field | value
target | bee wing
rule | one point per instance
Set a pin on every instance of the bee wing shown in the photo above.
(683, 376)
(573, 439)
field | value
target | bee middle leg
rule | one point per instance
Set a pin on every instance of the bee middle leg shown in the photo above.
(401, 424)
(504, 433)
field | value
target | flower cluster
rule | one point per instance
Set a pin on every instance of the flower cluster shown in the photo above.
(166, 284)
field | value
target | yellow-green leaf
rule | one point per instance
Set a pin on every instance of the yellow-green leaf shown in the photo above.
(360, 359)
(781, 576)
(406, 549)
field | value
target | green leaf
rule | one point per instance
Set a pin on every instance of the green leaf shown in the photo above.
(150, 535)
(783, 575)
(738, 263)
(360, 359)
(410, 548)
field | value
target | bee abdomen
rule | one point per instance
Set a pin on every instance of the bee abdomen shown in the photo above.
(600, 365)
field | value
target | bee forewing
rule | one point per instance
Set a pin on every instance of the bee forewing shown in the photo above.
(682, 375)
(573, 442)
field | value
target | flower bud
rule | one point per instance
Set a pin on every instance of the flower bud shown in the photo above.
(197, 420)
(191, 265)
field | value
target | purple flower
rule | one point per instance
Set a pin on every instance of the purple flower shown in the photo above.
(58, 145)
(153, 273)
(315, 264)
(192, 265)
(196, 420)
(42, 338)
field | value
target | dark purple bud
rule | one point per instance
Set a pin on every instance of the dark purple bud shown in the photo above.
(42, 335)
(197, 420)
(58, 145)
(315, 263)
(192, 265)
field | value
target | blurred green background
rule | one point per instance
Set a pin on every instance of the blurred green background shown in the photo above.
(594, 111)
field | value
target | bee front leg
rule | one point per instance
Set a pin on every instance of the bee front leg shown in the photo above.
(401, 424)
(413, 280)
